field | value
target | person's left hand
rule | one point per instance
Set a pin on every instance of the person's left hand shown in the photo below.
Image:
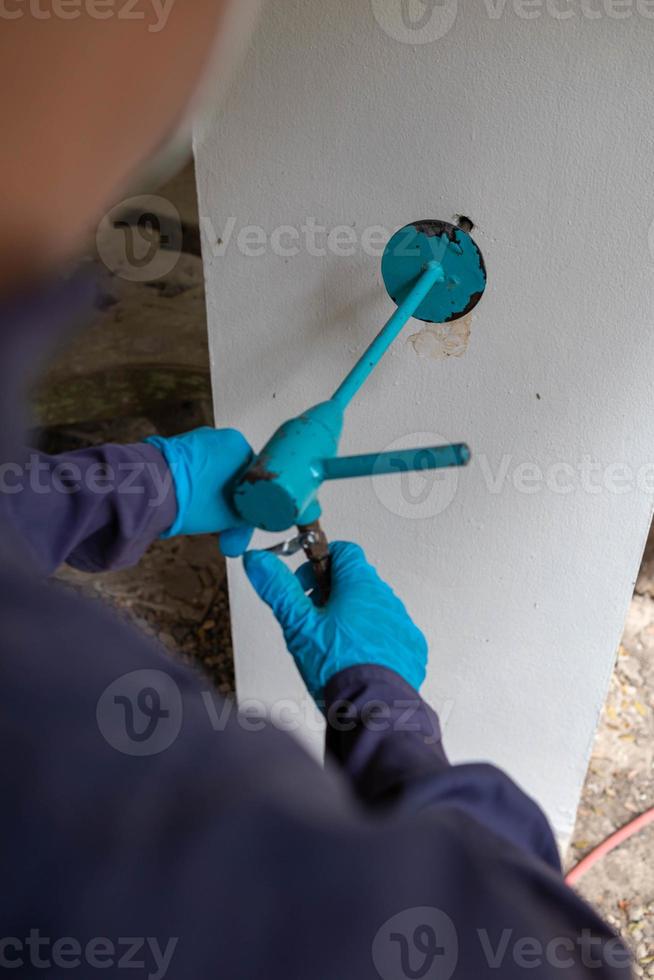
(363, 623)
(204, 464)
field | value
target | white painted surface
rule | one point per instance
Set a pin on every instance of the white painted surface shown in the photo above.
(538, 129)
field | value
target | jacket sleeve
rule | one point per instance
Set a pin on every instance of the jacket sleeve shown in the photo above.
(97, 509)
(388, 741)
(138, 804)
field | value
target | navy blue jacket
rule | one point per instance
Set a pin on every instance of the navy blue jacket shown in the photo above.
(145, 825)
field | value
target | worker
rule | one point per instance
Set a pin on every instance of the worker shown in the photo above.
(145, 827)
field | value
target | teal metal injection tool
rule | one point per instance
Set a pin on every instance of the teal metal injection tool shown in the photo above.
(432, 270)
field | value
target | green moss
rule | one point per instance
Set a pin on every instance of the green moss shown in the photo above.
(124, 391)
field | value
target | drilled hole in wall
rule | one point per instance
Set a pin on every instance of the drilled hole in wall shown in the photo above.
(464, 223)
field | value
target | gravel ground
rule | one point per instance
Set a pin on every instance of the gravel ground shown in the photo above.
(620, 783)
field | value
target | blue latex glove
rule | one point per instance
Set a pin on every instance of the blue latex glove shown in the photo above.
(203, 464)
(363, 622)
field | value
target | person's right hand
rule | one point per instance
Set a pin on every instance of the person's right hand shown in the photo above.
(363, 622)
(203, 464)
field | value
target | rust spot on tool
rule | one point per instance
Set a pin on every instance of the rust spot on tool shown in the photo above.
(258, 472)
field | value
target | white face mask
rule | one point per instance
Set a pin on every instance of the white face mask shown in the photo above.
(237, 26)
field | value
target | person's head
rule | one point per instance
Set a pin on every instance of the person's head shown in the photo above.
(89, 91)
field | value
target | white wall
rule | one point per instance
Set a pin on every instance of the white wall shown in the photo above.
(539, 130)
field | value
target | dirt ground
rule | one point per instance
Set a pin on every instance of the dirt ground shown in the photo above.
(178, 594)
(143, 367)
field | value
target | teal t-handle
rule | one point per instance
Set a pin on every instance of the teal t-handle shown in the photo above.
(396, 461)
(280, 488)
(433, 273)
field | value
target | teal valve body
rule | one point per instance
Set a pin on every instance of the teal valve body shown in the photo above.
(280, 488)
(432, 270)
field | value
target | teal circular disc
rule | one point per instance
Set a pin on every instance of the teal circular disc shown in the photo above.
(407, 255)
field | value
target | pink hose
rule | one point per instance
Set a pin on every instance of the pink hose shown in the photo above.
(619, 837)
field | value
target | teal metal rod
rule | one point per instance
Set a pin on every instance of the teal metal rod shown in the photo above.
(399, 461)
(370, 359)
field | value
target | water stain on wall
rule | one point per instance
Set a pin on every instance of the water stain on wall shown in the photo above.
(442, 340)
